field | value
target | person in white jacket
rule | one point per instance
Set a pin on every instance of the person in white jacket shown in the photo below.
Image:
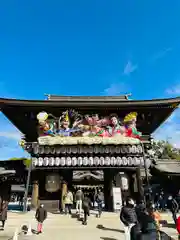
(68, 201)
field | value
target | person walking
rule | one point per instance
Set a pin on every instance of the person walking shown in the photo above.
(173, 207)
(128, 217)
(99, 198)
(86, 207)
(68, 202)
(140, 208)
(79, 198)
(3, 213)
(41, 215)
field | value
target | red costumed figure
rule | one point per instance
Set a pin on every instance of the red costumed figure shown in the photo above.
(130, 124)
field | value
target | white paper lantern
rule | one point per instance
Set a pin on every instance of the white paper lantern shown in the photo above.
(40, 161)
(91, 161)
(57, 161)
(113, 159)
(34, 162)
(46, 161)
(63, 161)
(118, 161)
(101, 161)
(80, 161)
(107, 161)
(51, 161)
(74, 161)
(85, 161)
(124, 161)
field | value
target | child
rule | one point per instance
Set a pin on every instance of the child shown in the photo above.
(157, 217)
(178, 226)
(41, 215)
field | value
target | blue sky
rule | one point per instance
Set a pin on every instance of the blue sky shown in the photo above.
(89, 48)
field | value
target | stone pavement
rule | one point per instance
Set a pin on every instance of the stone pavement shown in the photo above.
(66, 228)
(170, 227)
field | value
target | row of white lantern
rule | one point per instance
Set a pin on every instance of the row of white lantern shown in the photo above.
(88, 161)
(130, 149)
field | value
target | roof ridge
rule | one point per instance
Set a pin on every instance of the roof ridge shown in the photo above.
(61, 97)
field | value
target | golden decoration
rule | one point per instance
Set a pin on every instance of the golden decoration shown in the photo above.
(22, 143)
(129, 117)
(66, 117)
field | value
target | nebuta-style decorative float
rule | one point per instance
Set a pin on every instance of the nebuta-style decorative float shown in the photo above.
(72, 128)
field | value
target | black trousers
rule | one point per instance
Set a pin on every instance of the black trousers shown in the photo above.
(136, 232)
(86, 214)
(100, 208)
(3, 223)
(174, 217)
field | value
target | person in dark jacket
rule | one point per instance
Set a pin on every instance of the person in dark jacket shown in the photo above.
(99, 198)
(41, 215)
(128, 217)
(3, 213)
(86, 207)
(173, 207)
(140, 207)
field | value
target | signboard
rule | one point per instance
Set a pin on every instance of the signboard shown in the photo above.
(124, 183)
(117, 198)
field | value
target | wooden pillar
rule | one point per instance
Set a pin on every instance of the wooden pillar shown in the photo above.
(35, 195)
(41, 183)
(68, 177)
(139, 184)
(108, 195)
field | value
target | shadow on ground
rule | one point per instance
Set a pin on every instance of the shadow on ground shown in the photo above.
(169, 225)
(101, 227)
(108, 238)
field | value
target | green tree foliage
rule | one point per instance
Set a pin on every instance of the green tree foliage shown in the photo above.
(164, 150)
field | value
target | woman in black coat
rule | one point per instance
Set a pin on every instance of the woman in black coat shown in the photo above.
(41, 215)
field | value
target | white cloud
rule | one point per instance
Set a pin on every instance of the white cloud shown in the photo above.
(161, 54)
(129, 68)
(175, 90)
(11, 135)
(116, 89)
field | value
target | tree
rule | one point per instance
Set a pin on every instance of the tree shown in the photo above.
(164, 150)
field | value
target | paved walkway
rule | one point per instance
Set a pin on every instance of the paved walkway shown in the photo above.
(64, 227)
